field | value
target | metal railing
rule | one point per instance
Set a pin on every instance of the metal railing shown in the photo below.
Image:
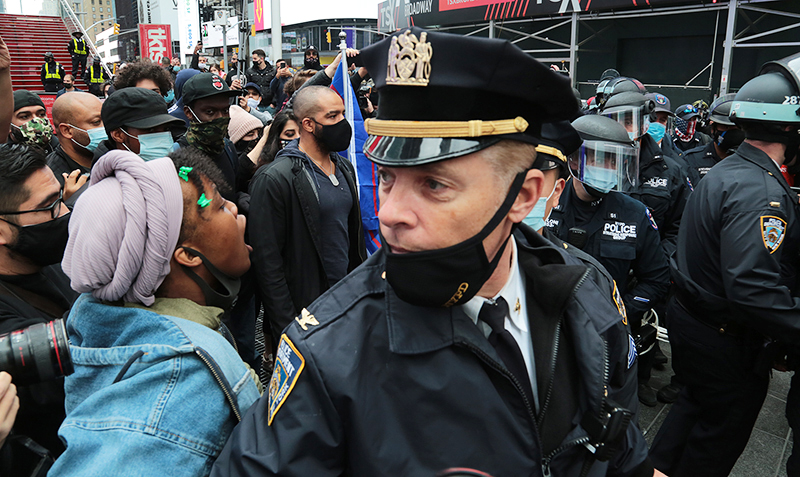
(73, 24)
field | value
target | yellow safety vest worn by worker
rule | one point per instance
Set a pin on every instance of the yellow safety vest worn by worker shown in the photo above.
(92, 78)
(53, 75)
(82, 50)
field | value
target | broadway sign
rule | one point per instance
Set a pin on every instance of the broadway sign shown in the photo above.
(396, 14)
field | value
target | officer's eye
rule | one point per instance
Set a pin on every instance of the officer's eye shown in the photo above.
(383, 175)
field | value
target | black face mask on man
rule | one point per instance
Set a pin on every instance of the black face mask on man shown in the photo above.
(334, 137)
(224, 300)
(452, 275)
(729, 140)
(42, 244)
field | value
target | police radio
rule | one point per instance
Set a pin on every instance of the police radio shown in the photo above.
(577, 237)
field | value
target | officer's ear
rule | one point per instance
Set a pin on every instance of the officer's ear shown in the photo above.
(532, 189)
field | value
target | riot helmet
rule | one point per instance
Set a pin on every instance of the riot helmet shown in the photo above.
(727, 136)
(607, 159)
(621, 85)
(720, 109)
(631, 110)
(768, 103)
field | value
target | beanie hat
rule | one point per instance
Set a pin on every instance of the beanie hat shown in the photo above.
(124, 228)
(23, 98)
(241, 123)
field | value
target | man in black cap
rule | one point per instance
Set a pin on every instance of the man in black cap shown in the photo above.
(79, 52)
(311, 59)
(136, 120)
(95, 77)
(251, 102)
(52, 74)
(426, 357)
(686, 134)
(661, 123)
(206, 102)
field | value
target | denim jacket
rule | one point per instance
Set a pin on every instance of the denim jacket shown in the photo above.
(151, 394)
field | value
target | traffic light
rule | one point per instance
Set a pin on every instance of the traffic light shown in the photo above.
(328, 35)
(116, 28)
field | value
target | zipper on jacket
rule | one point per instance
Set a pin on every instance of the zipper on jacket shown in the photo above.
(221, 385)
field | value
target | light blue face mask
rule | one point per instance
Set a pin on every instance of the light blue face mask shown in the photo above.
(96, 136)
(176, 68)
(153, 145)
(657, 131)
(536, 219)
(253, 103)
(600, 178)
(169, 96)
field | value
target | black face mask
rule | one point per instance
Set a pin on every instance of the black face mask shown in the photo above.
(231, 285)
(311, 62)
(244, 147)
(729, 140)
(42, 244)
(448, 276)
(334, 137)
(285, 142)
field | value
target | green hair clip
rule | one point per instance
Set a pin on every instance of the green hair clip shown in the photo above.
(183, 173)
(203, 201)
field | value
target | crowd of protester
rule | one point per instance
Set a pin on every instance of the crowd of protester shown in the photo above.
(163, 210)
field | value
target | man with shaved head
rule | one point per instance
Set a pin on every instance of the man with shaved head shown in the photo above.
(305, 219)
(79, 128)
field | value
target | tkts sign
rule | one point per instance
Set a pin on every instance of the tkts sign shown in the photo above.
(396, 14)
(156, 41)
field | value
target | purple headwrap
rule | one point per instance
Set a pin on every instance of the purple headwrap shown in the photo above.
(124, 228)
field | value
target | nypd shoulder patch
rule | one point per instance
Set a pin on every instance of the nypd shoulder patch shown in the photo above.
(620, 305)
(652, 220)
(289, 363)
(631, 351)
(772, 232)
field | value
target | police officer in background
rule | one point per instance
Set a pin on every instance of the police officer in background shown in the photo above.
(735, 277)
(52, 74)
(661, 123)
(95, 77)
(687, 135)
(726, 136)
(614, 228)
(662, 185)
(78, 51)
(381, 373)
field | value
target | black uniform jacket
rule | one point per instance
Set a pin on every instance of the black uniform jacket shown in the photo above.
(700, 160)
(663, 187)
(622, 238)
(388, 388)
(284, 230)
(738, 245)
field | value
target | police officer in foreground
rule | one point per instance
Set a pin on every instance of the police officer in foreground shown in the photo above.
(614, 228)
(52, 74)
(735, 276)
(726, 136)
(397, 370)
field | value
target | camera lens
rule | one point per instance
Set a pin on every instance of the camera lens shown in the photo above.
(38, 353)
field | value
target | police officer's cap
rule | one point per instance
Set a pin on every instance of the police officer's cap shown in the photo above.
(436, 106)
(662, 103)
(77, 33)
(558, 141)
(687, 112)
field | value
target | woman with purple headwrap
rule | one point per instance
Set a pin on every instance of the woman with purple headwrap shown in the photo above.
(158, 386)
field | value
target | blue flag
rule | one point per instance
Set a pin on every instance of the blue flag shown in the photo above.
(366, 170)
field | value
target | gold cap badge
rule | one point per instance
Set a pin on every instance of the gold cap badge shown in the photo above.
(409, 60)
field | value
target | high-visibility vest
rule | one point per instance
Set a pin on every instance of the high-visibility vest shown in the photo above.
(53, 75)
(82, 50)
(92, 78)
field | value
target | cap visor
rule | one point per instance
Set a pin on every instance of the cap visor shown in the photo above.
(405, 152)
(230, 92)
(153, 121)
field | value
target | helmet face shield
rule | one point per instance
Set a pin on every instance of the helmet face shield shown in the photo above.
(633, 119)
(606, 166)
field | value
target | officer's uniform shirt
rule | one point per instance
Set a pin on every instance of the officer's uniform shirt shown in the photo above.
(699, 161)
(517, 323)
(622, 235)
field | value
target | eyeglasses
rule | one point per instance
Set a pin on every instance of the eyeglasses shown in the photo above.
(54, 208)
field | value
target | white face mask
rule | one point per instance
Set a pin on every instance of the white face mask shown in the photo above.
(536, 218)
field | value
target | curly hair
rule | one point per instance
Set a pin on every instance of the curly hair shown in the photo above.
(140, 70)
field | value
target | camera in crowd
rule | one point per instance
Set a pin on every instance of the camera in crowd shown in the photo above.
(37, 353)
